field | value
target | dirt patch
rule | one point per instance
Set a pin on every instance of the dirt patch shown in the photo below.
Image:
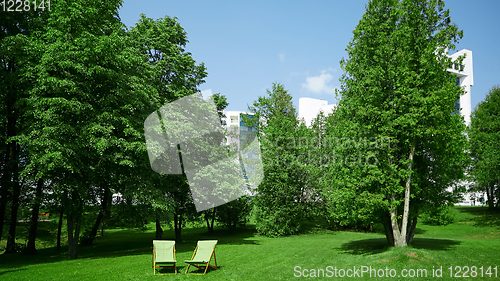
(413, 255)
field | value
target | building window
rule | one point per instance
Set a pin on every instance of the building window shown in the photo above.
(459, 67)
(457, 107)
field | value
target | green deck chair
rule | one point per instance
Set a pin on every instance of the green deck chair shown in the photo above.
(163, 255)
(202, 255)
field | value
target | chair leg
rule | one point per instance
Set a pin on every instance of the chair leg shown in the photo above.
(154, 269)
(187, 269)
(205, 269)
(215, 260)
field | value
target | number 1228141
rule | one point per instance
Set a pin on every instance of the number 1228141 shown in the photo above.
(24, 6)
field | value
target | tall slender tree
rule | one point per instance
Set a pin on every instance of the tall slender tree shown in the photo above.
(280, 196)
(396, 88)
(484, 134)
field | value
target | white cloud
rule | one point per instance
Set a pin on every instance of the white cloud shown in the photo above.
(281, 56)
(320, 84)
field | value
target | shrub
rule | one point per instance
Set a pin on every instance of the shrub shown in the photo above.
(441, 215)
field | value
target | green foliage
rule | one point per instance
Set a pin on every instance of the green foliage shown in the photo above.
(281, 197)
(345, 208)
(484, 134)
(442, 215)
(235, 213)
(87, 86)
(397, 95)
(174, 72)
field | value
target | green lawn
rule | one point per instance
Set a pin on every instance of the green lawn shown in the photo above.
(125, 254)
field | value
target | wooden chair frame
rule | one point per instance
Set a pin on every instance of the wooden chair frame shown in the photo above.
(206, 265)
(160, 266)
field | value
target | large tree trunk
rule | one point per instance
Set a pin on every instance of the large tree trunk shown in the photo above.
(73, 234)
(210, 219)
(74, 219)
(31, 249)
(159, 231)
(388, 229)
(400, 237)
(178, 227)
(59, 229)
(491, 197)
(4, 189)
(399, 240)
(11, 160)
(11, 238)
(411, 230)
(3, 206)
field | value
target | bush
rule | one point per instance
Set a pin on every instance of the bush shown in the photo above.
(442, 215)
(347, 209)
(275, 222)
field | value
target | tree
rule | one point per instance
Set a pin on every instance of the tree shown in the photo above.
(220, 104)
(484, 135)
(15, 31)
(396, 90)
(90, 93)
(175, 74)
(280, 199)
(94, 84)
(234, 213)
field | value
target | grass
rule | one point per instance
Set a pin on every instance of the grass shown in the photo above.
(473, 239)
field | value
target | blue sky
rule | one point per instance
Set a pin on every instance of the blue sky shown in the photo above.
(246, 46)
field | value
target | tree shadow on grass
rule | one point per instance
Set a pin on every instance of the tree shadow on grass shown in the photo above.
(129, 242)
(10, 271)
(380, 245)
(483, 216)
(420, 231)
(434, 244)
(365, 246)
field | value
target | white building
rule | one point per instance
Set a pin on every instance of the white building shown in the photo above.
(309, 109)
(466, 80)
(235, 125)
